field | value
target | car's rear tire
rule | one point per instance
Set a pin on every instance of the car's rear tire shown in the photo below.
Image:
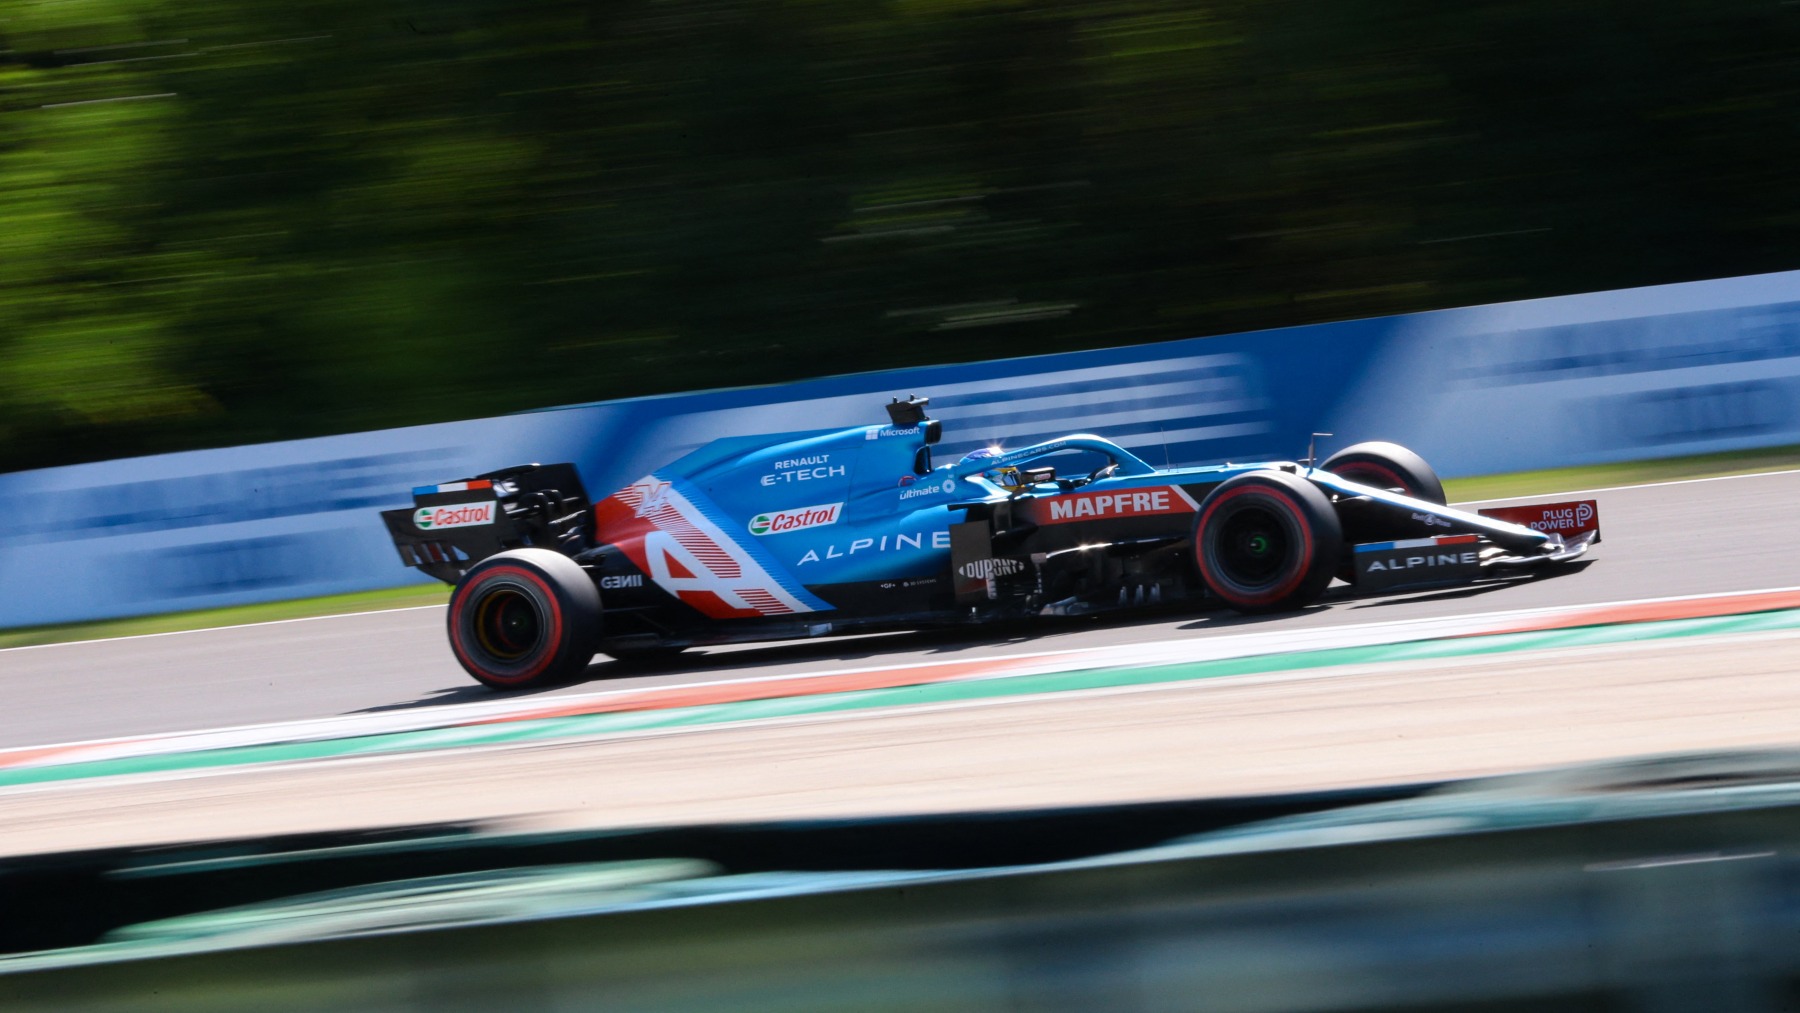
(1267, 541)
(1387, 466)
(524, 618)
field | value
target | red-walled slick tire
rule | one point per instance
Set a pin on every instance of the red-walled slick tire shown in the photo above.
(1387, 466)
(525, 618)
(1267, 541)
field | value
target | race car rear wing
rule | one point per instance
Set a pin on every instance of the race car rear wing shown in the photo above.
(452, 526)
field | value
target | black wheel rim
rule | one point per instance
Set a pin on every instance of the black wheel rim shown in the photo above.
(508, 624)
(1253, 546)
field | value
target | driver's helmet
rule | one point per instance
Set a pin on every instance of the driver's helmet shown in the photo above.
(998, 476)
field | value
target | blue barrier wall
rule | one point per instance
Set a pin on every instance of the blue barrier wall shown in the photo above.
(1583, 379)
(1611, 376)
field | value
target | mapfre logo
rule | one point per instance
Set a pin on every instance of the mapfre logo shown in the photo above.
(1162, 499)
(780, 522)
(455, 515)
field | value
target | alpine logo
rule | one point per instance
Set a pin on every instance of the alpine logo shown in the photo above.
(933, 540)
(652, 496)
(455, 515)
(1465, 558)
(780, 522)
(1418, 560)
(1162, 499)
(982, 569)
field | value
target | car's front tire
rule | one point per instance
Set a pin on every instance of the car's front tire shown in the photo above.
(1267, 541)
(524, 618)
(1387, 466)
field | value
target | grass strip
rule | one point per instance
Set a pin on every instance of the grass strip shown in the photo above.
(1601, 476)
(237, 615)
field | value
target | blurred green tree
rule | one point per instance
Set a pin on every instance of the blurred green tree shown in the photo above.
(250, 220)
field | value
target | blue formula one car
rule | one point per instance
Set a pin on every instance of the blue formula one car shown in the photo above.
(805, 534)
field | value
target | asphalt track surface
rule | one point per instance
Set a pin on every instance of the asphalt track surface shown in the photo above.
(1685, 538)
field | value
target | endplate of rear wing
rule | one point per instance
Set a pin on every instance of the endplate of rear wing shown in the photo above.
(452, 526)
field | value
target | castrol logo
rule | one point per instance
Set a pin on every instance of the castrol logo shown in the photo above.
(453, 515)
(779, 522)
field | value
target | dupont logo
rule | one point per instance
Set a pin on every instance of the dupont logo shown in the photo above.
(982, 569)
(780, 522)
(454, 515)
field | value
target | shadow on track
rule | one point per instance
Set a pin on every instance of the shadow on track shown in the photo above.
(854, 649)
(1224, 619)
(911, 647)
(449, 696)
(902, 647)
(739, 661)
(1475, 590)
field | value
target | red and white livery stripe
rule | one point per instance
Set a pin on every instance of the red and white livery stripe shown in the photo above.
(686, 554)
(1418, 543)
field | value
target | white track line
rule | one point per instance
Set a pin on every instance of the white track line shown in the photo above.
(1641, 485)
